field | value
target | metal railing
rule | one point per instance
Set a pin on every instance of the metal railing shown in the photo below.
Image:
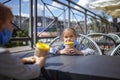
(83, 26)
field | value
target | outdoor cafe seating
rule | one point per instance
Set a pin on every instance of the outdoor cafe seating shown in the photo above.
(104, 41)
(82, 39)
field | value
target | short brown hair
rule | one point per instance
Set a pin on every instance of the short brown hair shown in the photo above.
(5, 13)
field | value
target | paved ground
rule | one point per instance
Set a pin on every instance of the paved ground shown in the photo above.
(20, 49)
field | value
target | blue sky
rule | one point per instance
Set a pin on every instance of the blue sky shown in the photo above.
(14, 4)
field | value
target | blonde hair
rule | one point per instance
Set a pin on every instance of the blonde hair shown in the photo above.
(70, 28)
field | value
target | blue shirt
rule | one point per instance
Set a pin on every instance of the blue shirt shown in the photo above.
(4, 36)
(80, 47)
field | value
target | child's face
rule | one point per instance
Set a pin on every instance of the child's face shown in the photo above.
(68, 35)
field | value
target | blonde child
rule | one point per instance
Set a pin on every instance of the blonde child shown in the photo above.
(69, 36)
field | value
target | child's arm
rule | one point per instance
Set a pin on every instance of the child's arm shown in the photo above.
(88, 51)
(85, 50)
(76, 51)
(64, 51)
(56, 49)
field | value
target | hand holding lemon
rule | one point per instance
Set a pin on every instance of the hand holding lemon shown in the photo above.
(41, 49)
(69, 44)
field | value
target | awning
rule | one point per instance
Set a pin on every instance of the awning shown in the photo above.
(112, 7)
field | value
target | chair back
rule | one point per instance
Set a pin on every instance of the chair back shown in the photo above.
(116, 51)
(105, 42)
(115, 37)
(83, 39)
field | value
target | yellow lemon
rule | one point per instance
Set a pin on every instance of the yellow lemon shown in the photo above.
(69, 43)
(42, 46)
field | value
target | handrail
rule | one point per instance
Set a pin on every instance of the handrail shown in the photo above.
(54, 40)
(6, 1)
(19, 28)
(47, 26)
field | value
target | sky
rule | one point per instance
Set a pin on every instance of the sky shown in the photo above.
(14, 4)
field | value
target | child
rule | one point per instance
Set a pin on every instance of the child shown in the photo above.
(69, 35)
(11, 67)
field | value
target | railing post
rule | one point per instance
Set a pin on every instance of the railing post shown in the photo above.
(85, 23)
(35, 22)
(68, 14)
(31, 23)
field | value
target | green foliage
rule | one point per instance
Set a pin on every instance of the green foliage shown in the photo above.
(17, 43)
(21, 34)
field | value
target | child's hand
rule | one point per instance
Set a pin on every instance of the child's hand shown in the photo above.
(28, 60)
(75, 51)
(40, 53)
(64, 51)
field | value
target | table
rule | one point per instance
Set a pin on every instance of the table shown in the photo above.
(92, 67)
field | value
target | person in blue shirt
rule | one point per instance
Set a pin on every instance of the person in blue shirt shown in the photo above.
(5, 29)
(10, 66)
(4, 36)
(69, 35)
